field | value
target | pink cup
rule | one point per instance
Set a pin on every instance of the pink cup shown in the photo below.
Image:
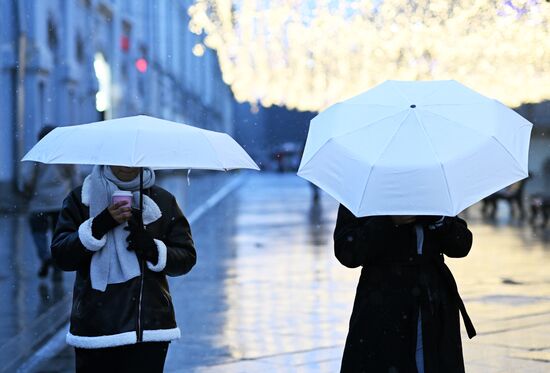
(122, 196)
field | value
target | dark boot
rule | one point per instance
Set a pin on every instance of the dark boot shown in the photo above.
(44, 268)
(57, 273)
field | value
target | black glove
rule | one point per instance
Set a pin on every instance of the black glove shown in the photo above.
(102, 224)
(141, 241)
(439, 223)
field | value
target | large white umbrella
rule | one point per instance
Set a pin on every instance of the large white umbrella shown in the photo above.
(141, 141)
(415, 148)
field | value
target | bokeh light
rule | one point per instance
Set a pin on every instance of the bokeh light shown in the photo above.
(308, 55)
(141, 65)
(198, 50)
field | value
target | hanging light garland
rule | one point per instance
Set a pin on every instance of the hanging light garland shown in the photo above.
(308, 55)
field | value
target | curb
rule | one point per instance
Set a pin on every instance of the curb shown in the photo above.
(19, 348)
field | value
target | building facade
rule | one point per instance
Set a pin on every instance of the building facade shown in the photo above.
(65, 62)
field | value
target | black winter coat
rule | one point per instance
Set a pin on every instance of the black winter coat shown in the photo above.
(395, 284)
(139, 309)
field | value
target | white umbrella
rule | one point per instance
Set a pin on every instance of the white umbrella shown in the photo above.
(415, 148)
(141, 141)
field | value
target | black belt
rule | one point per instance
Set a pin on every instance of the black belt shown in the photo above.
(446, 272)
(439, 262)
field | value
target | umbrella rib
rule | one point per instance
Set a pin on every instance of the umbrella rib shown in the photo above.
(368, 104)
(458, 123)
(392, 86)
(379, 156)
(507, 151)
(216, 152)
(462, 104)
(480, 132)
(436, 89)
(437, 157)
(364, 125)
(347, 133)
(135, 147)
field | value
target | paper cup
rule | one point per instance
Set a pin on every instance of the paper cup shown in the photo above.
(124, 196)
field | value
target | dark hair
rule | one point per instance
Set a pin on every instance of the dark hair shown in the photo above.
(44, 131)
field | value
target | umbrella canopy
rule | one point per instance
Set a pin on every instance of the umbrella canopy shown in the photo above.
(415, 148)
(141, 141)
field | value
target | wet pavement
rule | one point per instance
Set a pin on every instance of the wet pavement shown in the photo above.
(33, 309)
(267, 294)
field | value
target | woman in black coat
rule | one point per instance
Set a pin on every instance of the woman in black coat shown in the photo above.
(122, 316)
(406, 312)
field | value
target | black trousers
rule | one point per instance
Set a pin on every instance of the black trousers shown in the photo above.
(41, 222)
(147, 357)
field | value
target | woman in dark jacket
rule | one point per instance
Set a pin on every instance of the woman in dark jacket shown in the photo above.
(122, 316)
(406, 312)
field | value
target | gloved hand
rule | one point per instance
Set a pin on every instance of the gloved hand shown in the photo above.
(433, 222)
(103, 223)
(141, 241)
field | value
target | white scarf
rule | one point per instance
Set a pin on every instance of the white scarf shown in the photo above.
(114, 263)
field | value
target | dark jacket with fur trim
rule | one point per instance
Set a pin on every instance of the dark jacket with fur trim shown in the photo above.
(139, 309)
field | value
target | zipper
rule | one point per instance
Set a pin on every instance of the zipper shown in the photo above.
(139, 330)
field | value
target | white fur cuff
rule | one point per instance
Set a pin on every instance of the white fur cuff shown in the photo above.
(86, 237)
(161, 335)
(161, 263)
(122, 339)
(103, 341)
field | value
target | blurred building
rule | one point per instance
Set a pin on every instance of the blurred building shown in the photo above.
(67, 62)
(539, 115)
(539, 148)
(272, 136)
(251, 131)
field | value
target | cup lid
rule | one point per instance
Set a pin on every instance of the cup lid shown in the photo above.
(122, 193)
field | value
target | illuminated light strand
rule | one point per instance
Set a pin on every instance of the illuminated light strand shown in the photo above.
(307, 55)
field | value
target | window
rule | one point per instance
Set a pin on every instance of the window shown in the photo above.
(79, 49)
(52, 35)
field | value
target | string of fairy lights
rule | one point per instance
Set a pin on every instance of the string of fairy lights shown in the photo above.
(307, 54)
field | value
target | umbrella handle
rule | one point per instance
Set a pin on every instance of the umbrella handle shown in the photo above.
(141, 196)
